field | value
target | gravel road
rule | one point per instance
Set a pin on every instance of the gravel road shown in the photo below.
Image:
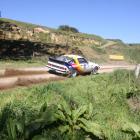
(26, 76)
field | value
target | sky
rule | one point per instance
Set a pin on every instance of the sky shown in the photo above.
(111, 19)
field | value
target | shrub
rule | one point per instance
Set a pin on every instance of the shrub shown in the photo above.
(68, 28)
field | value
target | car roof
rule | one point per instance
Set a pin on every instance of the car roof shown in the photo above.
(73, 56)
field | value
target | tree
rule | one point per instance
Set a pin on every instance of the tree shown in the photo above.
(68, 28)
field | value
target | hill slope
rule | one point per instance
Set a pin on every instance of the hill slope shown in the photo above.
(57, 42)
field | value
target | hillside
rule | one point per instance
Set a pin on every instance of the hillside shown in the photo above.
(24, 40)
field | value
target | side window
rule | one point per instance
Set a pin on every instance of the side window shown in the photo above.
(82, 60)
(72, 61)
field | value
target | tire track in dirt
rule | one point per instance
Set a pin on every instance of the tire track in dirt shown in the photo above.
(111, 68)
(10, 78)
(27, 80)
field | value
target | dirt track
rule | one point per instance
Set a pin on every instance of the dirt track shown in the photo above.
(26, 80)
(23, 77)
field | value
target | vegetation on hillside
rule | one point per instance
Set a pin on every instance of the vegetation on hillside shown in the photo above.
(24, 25)
(92, 107)
(68, 28)
(34, 62)
(98, 51)
(61, 30)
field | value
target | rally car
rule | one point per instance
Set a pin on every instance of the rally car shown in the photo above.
(71, 65)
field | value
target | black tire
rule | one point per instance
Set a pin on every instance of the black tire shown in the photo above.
(73, 73)
(95, 70)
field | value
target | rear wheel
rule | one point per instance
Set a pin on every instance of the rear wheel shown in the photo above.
(73, 73)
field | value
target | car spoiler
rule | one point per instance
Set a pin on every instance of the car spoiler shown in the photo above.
(52, 59)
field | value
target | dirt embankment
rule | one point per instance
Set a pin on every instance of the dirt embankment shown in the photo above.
(24, 49)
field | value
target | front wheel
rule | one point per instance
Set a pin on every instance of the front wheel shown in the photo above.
(95, 70)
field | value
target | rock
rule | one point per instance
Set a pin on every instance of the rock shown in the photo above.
(17, 37)
(40, 30)
(1, 34)
(15, 28)
(29, 33)
(8, 35)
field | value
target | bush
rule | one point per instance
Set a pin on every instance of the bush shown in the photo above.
(68, 28)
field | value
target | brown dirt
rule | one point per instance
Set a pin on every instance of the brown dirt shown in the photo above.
(29, 71)
(2, 72)
(110, 68)
(34, 79)
(27, 80)
(28, 76)
(6, 83)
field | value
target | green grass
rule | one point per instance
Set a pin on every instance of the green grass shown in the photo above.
(83, 35)
(35, 62)
(107, 93)
(19, 23)
(130, 53)
(23, 25)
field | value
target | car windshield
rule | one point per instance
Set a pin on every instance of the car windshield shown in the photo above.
(82, 60)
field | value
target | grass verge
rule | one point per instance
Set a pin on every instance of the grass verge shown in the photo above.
(108, 94)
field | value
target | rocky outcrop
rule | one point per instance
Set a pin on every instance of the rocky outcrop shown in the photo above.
(7, 26)
(18, 43)
(72, 40)
(40, 30)
(10, 31)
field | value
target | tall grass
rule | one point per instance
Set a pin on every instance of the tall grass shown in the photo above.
(106, 92)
